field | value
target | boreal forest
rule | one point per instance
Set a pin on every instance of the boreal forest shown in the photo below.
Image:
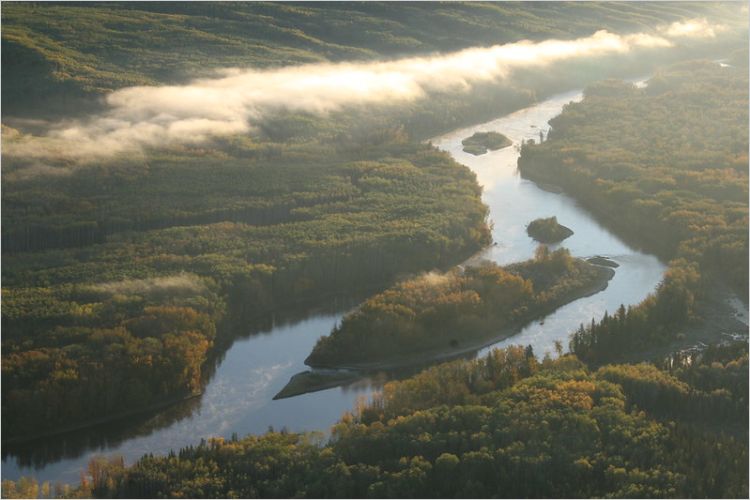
(374, 249)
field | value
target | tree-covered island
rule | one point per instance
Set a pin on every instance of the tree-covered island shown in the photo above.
(548, 230)
(436, 314)
(481, 142)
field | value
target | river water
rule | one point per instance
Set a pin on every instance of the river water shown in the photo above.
(238, 397)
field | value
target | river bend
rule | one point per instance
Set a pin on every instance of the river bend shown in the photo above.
(238, 399)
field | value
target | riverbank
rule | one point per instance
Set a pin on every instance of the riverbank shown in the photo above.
(141, 410)
(716, 319)
(609, 220)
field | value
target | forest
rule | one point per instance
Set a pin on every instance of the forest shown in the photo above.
(305, 207)
(508, 425)
(59, 56)
(93, 330)
(437, 313)
(666, 166)
(125, 277)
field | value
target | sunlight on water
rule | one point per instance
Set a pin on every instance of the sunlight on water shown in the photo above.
(238, 398)
(514, 202)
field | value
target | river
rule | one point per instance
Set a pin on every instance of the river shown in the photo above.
(238, 398)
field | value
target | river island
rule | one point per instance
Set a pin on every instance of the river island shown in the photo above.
(548, 230)
(481, 142)
(441, 315)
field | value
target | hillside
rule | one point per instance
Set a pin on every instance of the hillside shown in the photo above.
(58, 56)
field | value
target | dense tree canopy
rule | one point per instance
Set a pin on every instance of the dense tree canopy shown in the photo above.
(507, 425)
(438, 313)
(100, 328)
(667, 166)
(121, 278)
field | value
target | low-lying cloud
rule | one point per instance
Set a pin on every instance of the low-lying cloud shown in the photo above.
(696, 28)
(237, 99)
(432, 279)
(177, 285)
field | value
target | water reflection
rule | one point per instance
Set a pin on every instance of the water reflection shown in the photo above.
(36, 454)
(237, 398)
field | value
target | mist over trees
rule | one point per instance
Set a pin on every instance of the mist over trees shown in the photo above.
(126, 276)
(57, 57)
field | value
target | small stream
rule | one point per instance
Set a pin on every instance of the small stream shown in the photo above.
(238, 399)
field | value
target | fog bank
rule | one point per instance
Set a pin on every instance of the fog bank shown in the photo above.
(237, 99)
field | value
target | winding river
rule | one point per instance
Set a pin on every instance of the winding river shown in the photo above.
(239, 396)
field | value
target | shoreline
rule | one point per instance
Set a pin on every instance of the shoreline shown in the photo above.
(715, 322)
(611, 223)
(442, 354)
(316, 380)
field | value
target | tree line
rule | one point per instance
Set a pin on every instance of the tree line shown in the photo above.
(507, 425)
